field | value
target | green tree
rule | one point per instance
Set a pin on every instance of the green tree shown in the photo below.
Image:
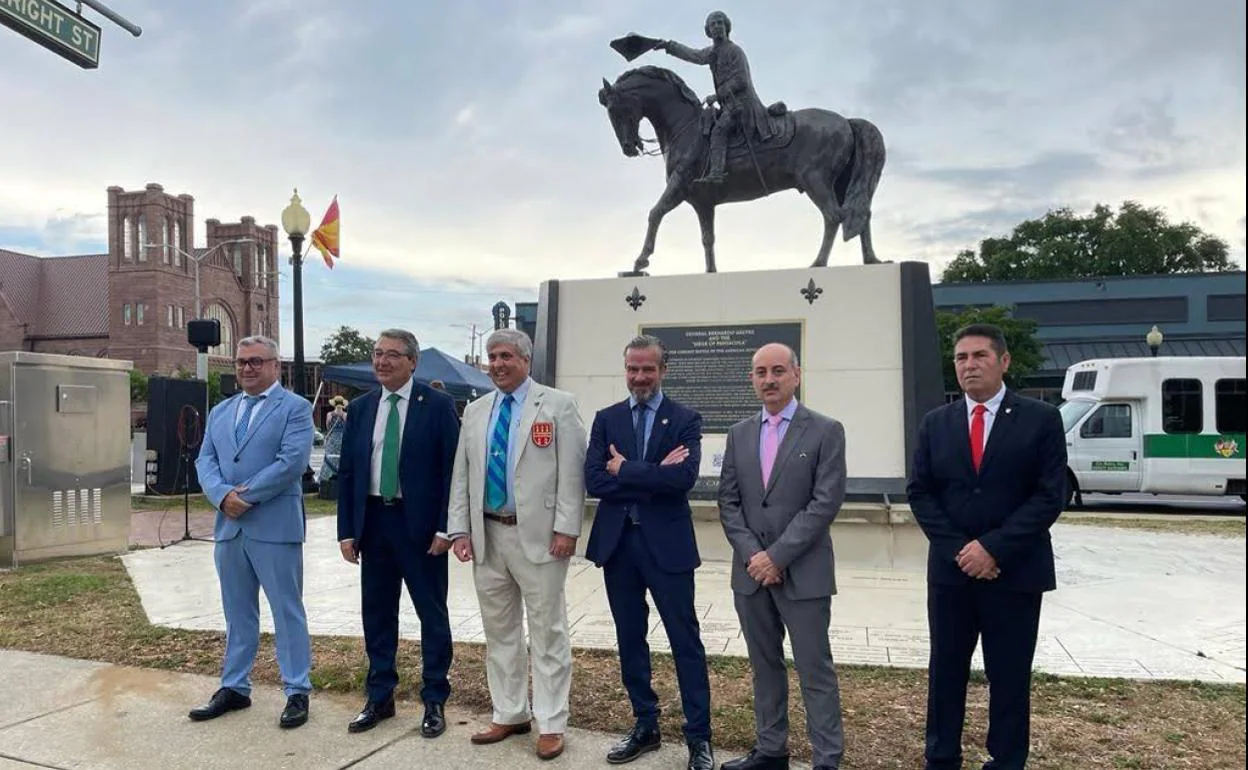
(346, 346)
(138, 387)
(1026, 354)
(1062, 244)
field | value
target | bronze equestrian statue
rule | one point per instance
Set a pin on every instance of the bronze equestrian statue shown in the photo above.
(743, 150)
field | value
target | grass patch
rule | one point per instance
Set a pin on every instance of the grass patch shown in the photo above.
(1220, 527)
(314, 505)
(88, 608)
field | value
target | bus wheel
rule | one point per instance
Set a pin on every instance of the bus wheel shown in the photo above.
(1073, 497)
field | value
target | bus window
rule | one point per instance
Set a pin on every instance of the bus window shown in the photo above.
(1110, 421)
(1180, 406)
(1232, 413)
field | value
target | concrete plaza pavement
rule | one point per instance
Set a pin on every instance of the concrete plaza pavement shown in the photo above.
(1131, 604)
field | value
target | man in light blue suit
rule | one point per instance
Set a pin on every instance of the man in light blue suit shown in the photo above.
(251, 464)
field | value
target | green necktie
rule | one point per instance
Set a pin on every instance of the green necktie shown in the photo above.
(390, 452)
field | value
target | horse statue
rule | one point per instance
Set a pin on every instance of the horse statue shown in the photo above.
(835, 161)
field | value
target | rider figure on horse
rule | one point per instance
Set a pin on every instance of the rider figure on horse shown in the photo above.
(739, 105)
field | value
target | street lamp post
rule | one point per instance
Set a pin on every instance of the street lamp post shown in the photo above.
(296, 221)
(1154, 338)
(201, 359)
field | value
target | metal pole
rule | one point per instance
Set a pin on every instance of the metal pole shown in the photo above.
(113, 16)
(296, 261)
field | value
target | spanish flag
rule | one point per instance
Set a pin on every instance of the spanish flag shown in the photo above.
(325, 237)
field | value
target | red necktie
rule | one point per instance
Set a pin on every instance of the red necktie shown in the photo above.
(977, 436)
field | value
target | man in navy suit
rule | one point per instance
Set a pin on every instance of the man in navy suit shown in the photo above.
(394, 483)
(987, 482)
(642, 461)
(250, 466)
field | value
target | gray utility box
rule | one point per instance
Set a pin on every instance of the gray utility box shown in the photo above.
(64, 456)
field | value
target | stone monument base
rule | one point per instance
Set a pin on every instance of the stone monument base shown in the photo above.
(865, 337)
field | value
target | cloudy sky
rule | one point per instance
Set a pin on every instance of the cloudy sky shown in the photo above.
(472, 160)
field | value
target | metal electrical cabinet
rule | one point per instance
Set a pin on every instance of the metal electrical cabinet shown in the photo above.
(64, 456)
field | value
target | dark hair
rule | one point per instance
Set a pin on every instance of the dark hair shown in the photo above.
(991, 331)
(643, 341)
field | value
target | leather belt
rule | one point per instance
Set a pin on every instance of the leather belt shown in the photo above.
(501, 518)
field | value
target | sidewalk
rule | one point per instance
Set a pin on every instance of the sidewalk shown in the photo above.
(80, 714)
(1138, 605)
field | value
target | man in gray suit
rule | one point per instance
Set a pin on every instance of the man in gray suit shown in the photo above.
(782, 484)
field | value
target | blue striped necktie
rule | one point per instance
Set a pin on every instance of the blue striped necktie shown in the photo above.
(496, 470)
(240, 428)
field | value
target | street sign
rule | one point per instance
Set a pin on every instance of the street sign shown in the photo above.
(54, 27)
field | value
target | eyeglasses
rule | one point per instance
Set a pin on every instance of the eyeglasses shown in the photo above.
(254, 363)
(389, 355)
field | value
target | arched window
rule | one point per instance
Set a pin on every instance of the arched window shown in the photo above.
(264, 267)
(164, 242)
(127, 239)
(226, 348)
(177, 242)
(238, 260)
(142, 244)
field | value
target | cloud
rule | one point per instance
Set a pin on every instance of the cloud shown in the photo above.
(473, 161)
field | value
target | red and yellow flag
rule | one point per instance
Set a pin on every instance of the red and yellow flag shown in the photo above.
(325, 237)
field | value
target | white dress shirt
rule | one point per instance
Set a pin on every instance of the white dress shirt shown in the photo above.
(990, 416)
(379, 433)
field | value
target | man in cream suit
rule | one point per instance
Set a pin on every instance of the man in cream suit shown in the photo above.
(782, 484)
(517, 502)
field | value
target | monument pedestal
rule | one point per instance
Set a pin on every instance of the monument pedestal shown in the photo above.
(865, 337)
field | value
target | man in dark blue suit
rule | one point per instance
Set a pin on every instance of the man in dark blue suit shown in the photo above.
(394, 482)
(987, 482)
(643, 459)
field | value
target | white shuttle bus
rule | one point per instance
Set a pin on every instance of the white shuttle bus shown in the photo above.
(1162, 425)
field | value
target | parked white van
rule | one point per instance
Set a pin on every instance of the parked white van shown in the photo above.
(1160, 425)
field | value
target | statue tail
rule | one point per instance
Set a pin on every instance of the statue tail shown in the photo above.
(867, 165)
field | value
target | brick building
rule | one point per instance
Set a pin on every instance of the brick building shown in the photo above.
(133, 302)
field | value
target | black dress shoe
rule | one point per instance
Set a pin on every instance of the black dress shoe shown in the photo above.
(756, 761)
(374, 712)
(700, 756)
(434, 723)
(296, 711)
(223, 701)
(641, 739)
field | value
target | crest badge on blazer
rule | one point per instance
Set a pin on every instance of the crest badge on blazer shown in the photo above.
(543, 434)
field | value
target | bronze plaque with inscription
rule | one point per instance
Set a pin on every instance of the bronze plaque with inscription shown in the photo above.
(708, 367)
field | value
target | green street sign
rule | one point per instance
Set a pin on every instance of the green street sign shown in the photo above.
(54, 27)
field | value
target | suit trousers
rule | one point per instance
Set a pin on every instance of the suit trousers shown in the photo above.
(628, 574)
(765, 615)
(509, 588)
(389, 558)
(1008, 622)
(244, 566)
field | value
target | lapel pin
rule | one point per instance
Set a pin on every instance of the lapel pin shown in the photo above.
(663, 421)
(1008, 410)
(420, 398)
(803, 454)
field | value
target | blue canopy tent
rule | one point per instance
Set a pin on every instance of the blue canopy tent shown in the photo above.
(462, 381)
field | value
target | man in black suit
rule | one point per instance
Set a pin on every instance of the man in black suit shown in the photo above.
(394, 481)
(642, 461)
(987, 483)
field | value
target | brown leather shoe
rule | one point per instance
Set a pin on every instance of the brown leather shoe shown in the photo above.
(496, 732)
(549, 745)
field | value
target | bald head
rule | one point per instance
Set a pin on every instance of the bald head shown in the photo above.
(775, 375)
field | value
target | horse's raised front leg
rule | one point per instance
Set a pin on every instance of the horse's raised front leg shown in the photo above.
(671, 198)
(706, 221)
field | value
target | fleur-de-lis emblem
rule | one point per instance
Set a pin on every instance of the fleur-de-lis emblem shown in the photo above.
(636, 299)
(811, 292)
